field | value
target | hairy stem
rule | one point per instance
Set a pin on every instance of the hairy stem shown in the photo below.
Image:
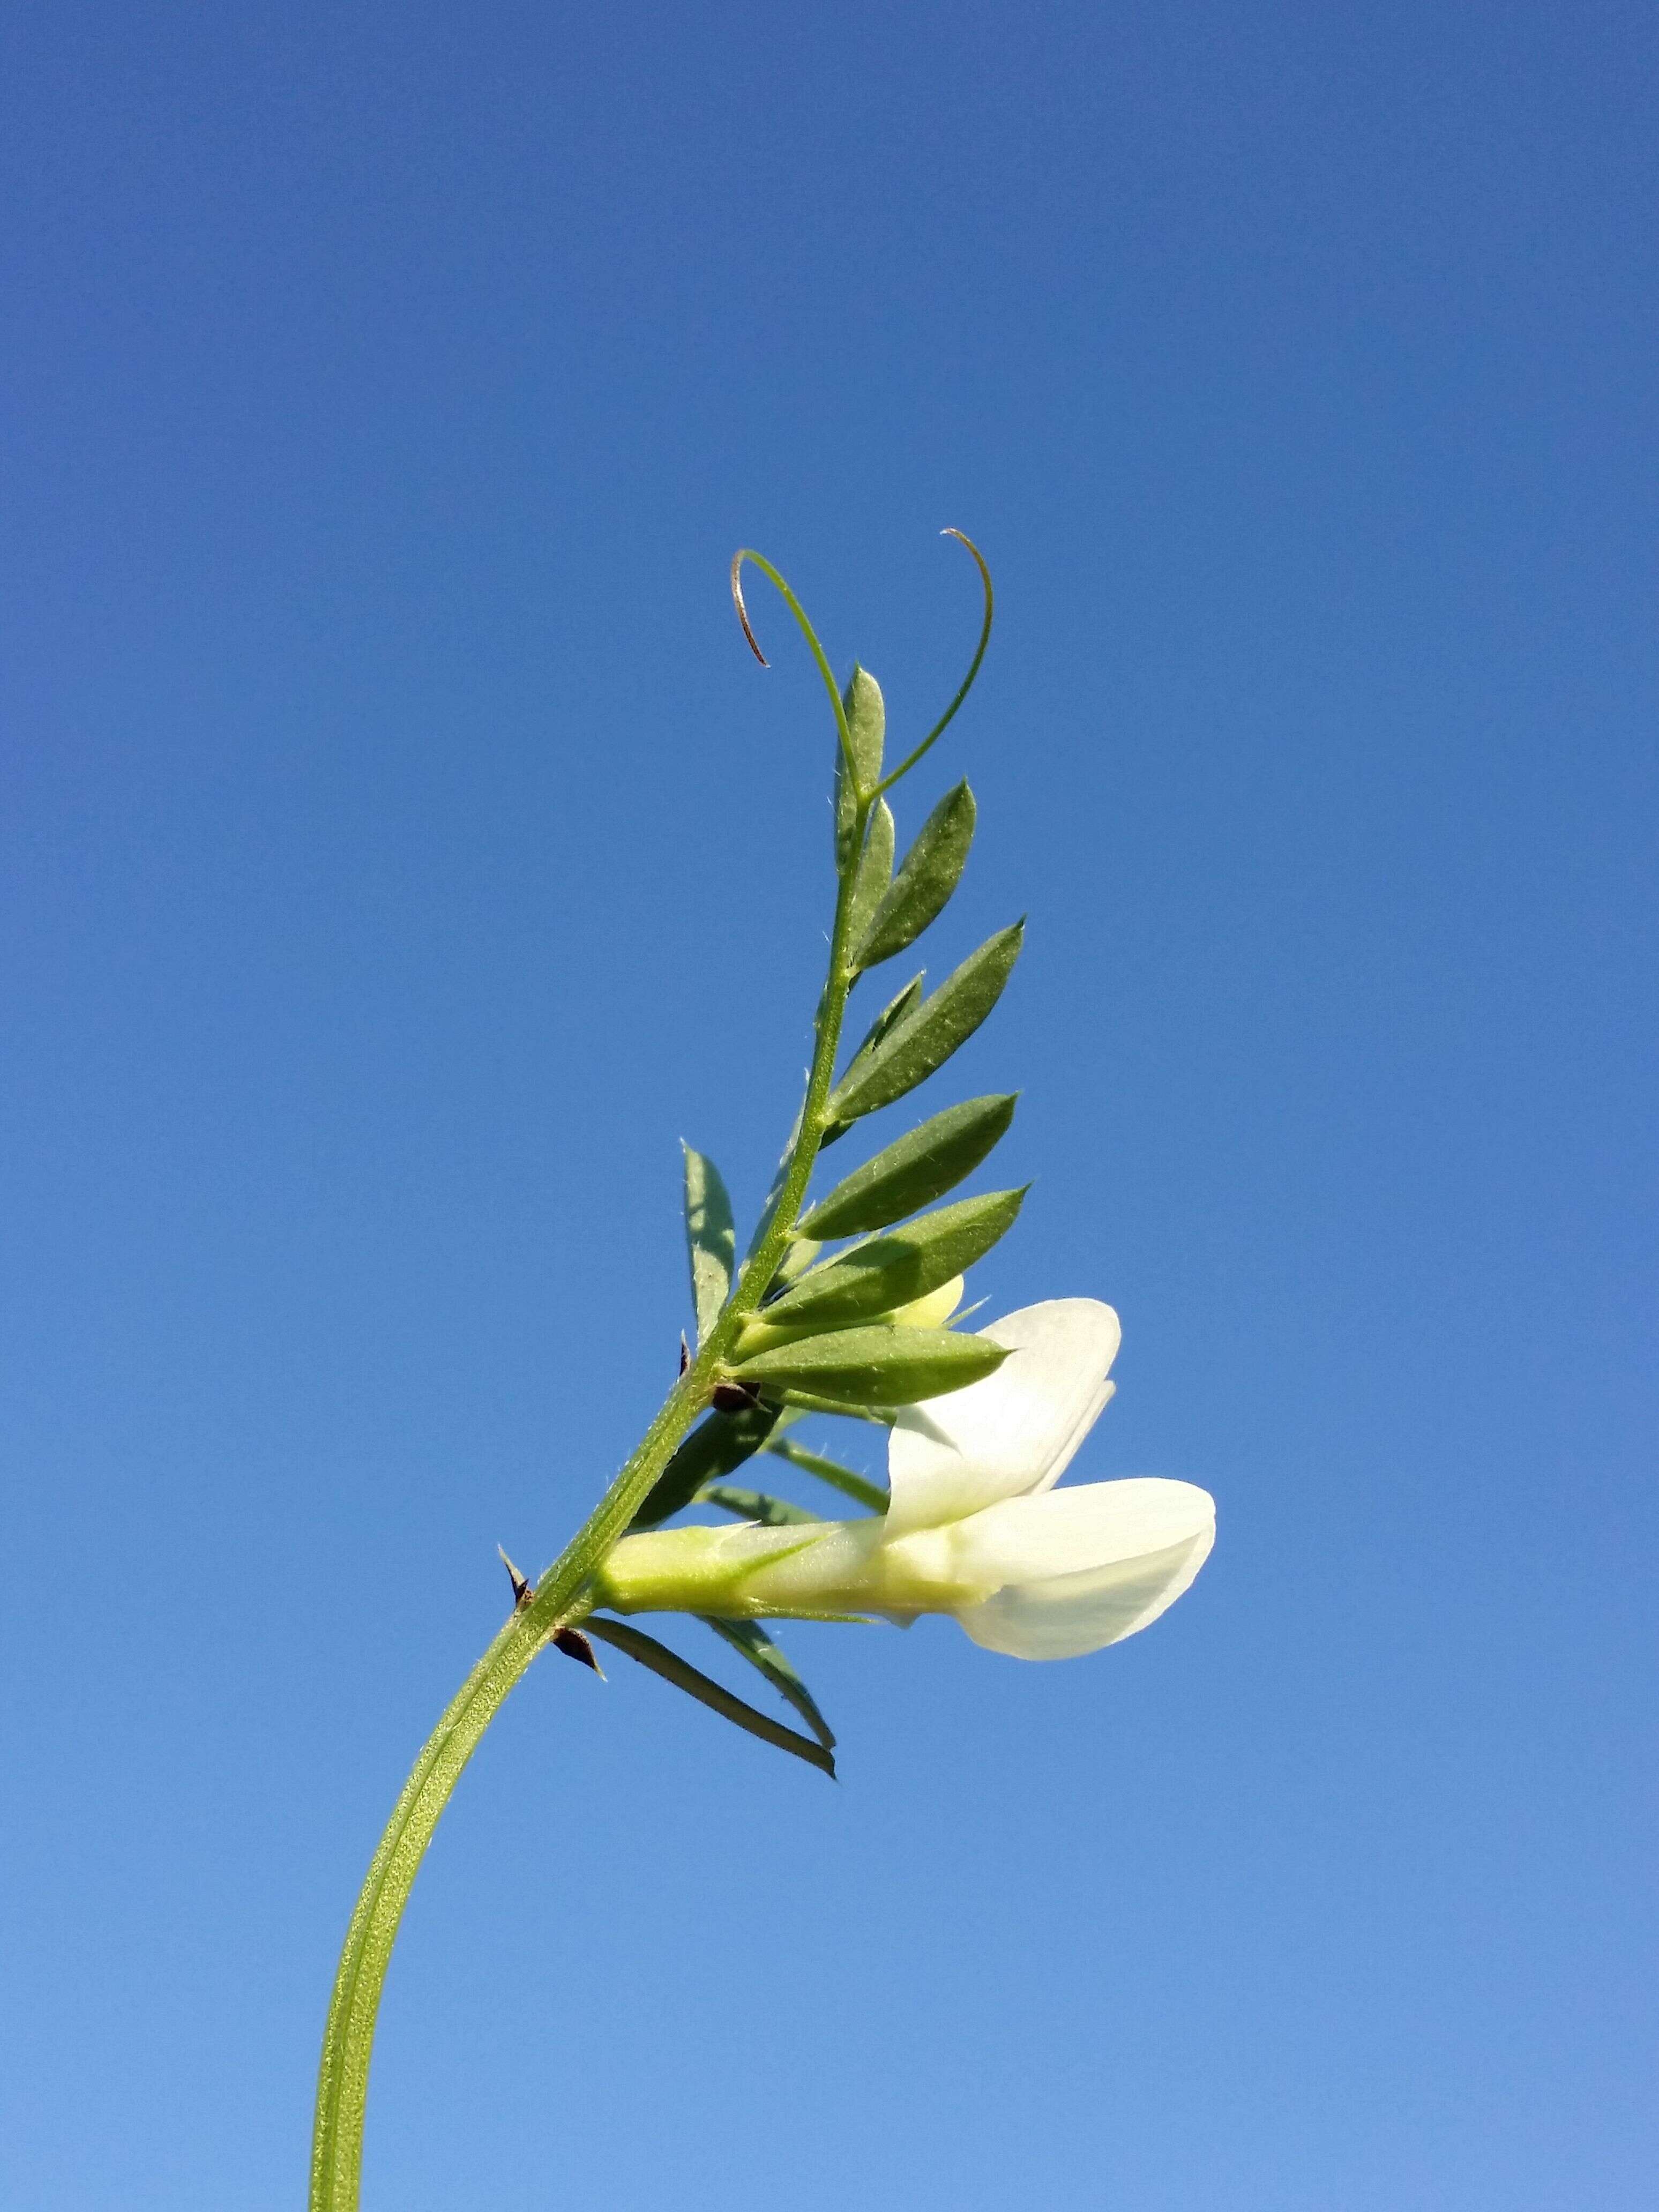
(560, 1597)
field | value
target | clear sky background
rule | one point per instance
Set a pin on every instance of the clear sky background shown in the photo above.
(400, 853)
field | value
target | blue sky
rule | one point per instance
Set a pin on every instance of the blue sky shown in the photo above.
(400, 853)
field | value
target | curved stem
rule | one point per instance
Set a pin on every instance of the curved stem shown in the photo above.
(748, 553)
(967, 683)
(349, 2036)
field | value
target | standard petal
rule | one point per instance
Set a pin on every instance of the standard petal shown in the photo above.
(1014, 1432)
(1087, 1567)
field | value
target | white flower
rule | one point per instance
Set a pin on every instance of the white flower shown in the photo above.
(976, 1526)
(1075, 1568)
(1014, 1434)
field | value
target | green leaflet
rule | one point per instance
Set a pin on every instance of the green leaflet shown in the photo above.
(924, 1038)
(711, 1238)
(891, 1271)
(769, 1205)
(931, 871)
(714, 1447)
(797, 1402)
(874, 1366)
(866, 727)
(890, 1015)
(754, 1505)
(875, 872)
(685, 1676)
(858, 1487)
(798, 1257)
(914, 1172)
(749, 1638)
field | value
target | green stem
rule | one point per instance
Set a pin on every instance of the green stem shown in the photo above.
(819, 655)
(560, 1597)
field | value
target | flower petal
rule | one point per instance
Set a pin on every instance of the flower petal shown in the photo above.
(932, 1311)
(1074, 1530)
(1014, 1432)
(1083, 1567)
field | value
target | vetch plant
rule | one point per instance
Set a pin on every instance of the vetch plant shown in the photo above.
(844, 1306)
